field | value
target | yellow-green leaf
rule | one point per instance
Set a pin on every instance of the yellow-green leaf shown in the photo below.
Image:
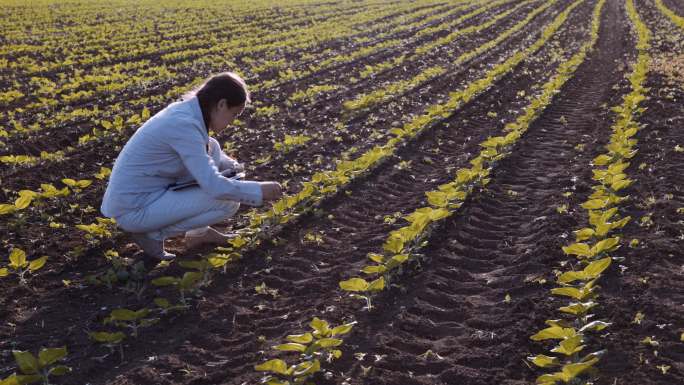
(607, 244)
(49, 356)
(329, 342)
(377, 258)
(342, 329)
(394, 244)
(4, 272)
(594, 204)
(59, 370)
(375, 269)
(567, 291)
(300, 338)
(354, 284)
(569, 346)
(319, 325)
(290, 347)
(7, 209)
(37, 263)
(109, 338)
(276, 366)
(597, 267)
(17, 258)
(583, 234)
(579, 249)
(554, 332)
(377, 285)
(543, 361)
(27, 362)
(571, 371)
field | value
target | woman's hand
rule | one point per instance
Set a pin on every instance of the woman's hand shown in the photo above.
(271, 191)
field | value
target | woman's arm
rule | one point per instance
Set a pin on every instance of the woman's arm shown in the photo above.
(190, 146)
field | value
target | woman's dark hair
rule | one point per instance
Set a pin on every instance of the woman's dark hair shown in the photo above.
(226, 85)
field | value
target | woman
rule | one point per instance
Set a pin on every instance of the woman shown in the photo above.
(174, 147)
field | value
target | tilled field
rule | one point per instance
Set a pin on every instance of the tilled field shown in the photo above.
(528, 130)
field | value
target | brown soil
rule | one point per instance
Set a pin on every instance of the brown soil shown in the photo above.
(503, 241)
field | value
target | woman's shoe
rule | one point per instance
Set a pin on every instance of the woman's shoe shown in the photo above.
(153, 248)
(206, 235)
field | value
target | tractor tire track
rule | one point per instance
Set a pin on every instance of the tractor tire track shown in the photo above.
(224, 346)
(452, 323)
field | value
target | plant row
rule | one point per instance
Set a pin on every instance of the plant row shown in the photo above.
(402, 244)
(577, 351)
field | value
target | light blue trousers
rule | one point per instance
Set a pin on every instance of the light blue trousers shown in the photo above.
(176, 212)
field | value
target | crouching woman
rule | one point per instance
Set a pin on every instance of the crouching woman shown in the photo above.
(174, 147)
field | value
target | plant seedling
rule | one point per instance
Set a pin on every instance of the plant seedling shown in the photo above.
(111, 340)
(38, 369)
(130, 319)
(312, 346)
(20, 266)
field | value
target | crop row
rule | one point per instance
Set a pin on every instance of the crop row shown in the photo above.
(61, 119)
(369, 99)
(118, 124)
(594, 243)
(674, 18)
(403, 244)
(327, 183)
(78, 88)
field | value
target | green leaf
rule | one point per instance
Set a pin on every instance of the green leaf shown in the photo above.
(320, 325)
(290, 347)
(377, 258)
(578, 308)
(583, 234)
(569, 346)
(342, 329)
(49, 356)
(437, 198)
(607, 244)
(354, 284)
(543, 361)
(377, 285)
(300, 338)
(568, 292)
(571, 371)
(579, 249)
(37, 263)
(602, 160)
(329, 342)
(570, 276)
(307, 368)
(162, 303)
(25, 199)
(554, 332)
(27, 362)
(7, 209)
(17, 258)
(597, 267)
(375, 269)
(4, 272)
(595, 326)
(59, 370)
(108, 338)
(127, 315)
(594, 204)
(274, 366)
(394, 244)
(189, 280)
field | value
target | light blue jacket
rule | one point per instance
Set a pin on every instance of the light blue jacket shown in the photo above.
(171, 146)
